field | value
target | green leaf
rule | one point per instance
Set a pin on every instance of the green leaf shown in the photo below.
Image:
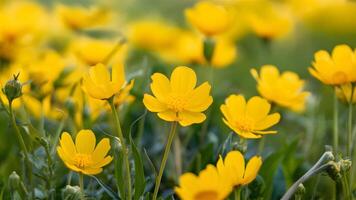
(140, 181)
(107, 189)
(120, 184)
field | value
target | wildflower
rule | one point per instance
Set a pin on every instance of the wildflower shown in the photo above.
(344, 93)
(284, 89)
(208, 185)
(337, 68)
(209, 18)
(77, 17)
(177, 99)
(248, 119)
(98, 84)
(83, 156)
(233, 167)
(13, 89)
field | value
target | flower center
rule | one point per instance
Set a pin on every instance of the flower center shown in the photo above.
(206, 195)
(82, 160)
(244, 124)
(176, 103)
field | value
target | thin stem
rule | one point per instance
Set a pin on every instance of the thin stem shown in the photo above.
(81, 183)
(237, 194)
(125, 151)
(164, 159)
(346, 186)
(22, 145)
(261, 145)
(336, 122)
(349, 132)
(178, 156)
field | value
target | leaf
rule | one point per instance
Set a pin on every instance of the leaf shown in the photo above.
(120, 184)
(106, 189)
(140, 181)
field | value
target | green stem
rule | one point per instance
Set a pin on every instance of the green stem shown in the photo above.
(336, 122)
(178, 156)
(81, 184)
(237, 194)
(349, 132)
(346, 187)
(22, 145)
(164, 159)
(261, 145)
(122, 140)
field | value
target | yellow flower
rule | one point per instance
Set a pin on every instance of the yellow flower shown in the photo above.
(209, 185)
(224, 53)
(124, 95)
(177, 99)
(83, 156)
(152, 34)
(233, 168)
(249, 120)
(209, 18)
(98, 83)
(284, 89)
(77, 17)
(336, 69)
(344, 93)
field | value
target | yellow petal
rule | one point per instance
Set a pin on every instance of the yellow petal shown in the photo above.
(66, 158)
(342, 54)
(183, 80)
(99, 74)
(187, 118)
(236, 104)
(91, 88)
(152, 104)
(118, 75)
(92, 171)
(67, 144)
(234, 161)
(103, 162)
(199, 100)
(252, 168)
(160, 86)
(257, 108)
(101, 150)
(269, 73)
(268, 121)
(168, 115)
(85, 142)
(243, 134)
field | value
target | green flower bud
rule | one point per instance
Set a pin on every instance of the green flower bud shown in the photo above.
(14, 181)
(209, 47)
(71, 192)
(13, 88)
(300, 190)
(345, 165)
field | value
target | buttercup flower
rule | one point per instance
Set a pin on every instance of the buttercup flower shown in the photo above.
(83, 156)
(98, 84)
(177, 99)
(234, 169)
(209, 18)
(249, 120)
(345, 91)
(337, 68)
(209, 185)
(284, 89)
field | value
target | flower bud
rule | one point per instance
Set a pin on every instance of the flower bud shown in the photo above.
(209, 47)
(13, 89)
(14, 181)
(300, 190)
(71, 192)
(345, 165)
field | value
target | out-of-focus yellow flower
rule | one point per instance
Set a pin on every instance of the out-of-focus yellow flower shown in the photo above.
(77, 17)
(233, 168)
(209, 18)
(284, 89)
(345, 91)
(91, 51)
(271, 22)
(45, 107)
(209, 185)
(152, 34)
(249, 120)
(124, 95)
(21, 24)
(177, 99)
(100, 85)
(224, 53)
(336, 69)
(84, 156)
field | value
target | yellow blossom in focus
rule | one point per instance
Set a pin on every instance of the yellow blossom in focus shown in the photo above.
(209, 18)
(208, 185)
(284, 89)
(249, 119)
(234, 169)
(177, 99)
(152, 34)
(345, 91)
(99, 84)
(335, 69)
(84, 156)
(77, 17)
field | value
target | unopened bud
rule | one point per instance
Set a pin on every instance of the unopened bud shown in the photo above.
(300, 190)
(345, 165)
(71, 192)
(13, 88)
(14, 181)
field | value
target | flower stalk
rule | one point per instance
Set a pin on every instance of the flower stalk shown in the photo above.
(336, 122)
(124, 147)
(164, 159)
